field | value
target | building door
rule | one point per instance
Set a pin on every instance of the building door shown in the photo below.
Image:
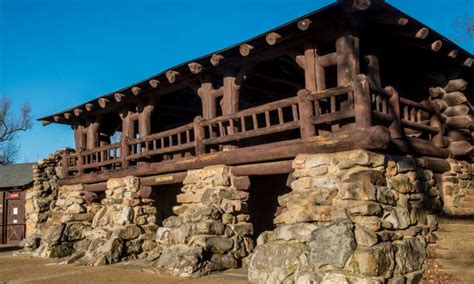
(15, 210)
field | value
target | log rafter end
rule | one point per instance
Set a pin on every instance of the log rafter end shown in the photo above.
(304, 24)
(245, 49)
(215, 59)
(171, 75)
(103, 102)
(195, 67)
(154, 83)
(136, 90)
(272, 38)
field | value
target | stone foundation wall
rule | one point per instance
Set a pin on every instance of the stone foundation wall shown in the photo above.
(351, 216)
(40, 197)
(121, 226)
(455, 185)
(211, 230)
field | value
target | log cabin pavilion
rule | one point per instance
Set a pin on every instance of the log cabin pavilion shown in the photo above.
(355, 74)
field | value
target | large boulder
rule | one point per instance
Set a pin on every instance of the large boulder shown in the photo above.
(276, 262)
(332, 244)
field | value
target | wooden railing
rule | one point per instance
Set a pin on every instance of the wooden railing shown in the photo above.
(271, 118)
(175, 140)
(306, 115)
(101, 156)
(332, 106)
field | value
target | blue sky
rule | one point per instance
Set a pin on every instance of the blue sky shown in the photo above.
(56, 54)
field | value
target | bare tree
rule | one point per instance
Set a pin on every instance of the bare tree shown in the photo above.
(10, 125)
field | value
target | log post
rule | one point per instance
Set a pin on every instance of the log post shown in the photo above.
(373, 70)
(144, 118)
(309, 67)
(80, 162)
(208, 99)
(362, 103)
(92, 134)
(64, 164)
(124, 151)
(230, 96)
(347, 49)
(436, 121)
(198, 136)
(395, 127)
(306, 113)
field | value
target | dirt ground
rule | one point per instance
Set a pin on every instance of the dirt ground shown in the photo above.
(34, 270)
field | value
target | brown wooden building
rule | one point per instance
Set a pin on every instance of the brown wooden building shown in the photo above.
(14, 181)
(355, 74)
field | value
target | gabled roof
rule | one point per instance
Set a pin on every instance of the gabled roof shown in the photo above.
(286, 32)
(16, 175)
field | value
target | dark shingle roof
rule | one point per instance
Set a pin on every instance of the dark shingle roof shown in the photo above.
(16, 175)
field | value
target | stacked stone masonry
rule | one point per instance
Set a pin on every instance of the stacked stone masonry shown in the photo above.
(456, 184)
(355, 216)
(40, 198)
(211, 230)
(351, 217)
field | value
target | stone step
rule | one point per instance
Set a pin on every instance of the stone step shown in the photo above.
(451, 254)
(468, 197)
(452, 236)
(444, 243)
(467, 201)
(461, 275)
(456, 220)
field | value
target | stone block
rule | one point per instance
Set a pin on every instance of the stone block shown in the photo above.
(300, 232)
(275, 262)
(365, 237)
(180, 260)
(378, 260)
(365, 209)
(410, 255)
(398, 217)
(332, 244)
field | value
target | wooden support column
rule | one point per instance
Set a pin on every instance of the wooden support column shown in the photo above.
(230, 96)
(92, 134)
(144, 118)
(309, 67)
(79, 137)
(347, 49)
(80, 146)
(125, 115)
(395, 127)
(362, 103)
(373, 71)
(208, 98)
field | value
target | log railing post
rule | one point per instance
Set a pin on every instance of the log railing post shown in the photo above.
(435, 121)
(198, 136)
(64, 164)
(395, 127)
(362, 102)
(124, 152)
(306, 113)
(79, 163)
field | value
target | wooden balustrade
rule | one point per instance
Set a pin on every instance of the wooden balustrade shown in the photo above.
(331, 106)
(101, 156)
(359, 106)
(176, 140)
(271, 118)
